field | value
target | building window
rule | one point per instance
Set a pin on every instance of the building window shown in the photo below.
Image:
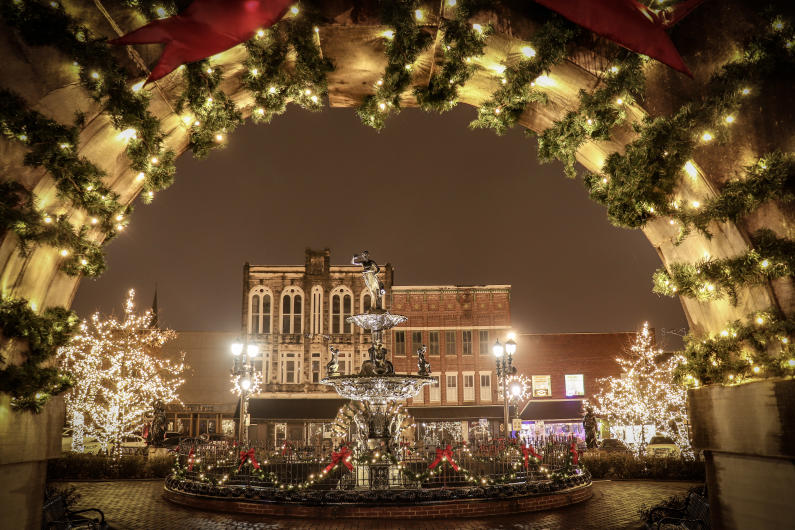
(575, 385)
(452, 388)
(483, 340)
(279, 434)
(259, 311)
(316, 368)
(341, 309)
(485, 387)
(292, 310)
(542, 386)
(435, 389)
(400, 343)
(433, 338)
(416, 341)
(420, 398)
(449, 343)
(467, 342)
(367, 303)
(317, 310)
(469, 387)
(289, 371)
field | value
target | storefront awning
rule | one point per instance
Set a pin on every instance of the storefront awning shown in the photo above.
(569, 410)
(456, 412)
(265, 409)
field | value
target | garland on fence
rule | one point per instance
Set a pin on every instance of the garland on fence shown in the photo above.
(772, 176)
(461, 42)
(30, 384)
(711, 279)
(760, 347)
(105, 80)
(405, 39)
(638, 185)
(549, 47)
(598, 113)
(271, 85)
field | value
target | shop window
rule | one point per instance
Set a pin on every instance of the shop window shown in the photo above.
(485, 387)
(467, 342)
(452, 388)
(542, 386)
(575, 385)
(416, 341)
(400, 343)
(433, 339)
(449, 343)
(483, 342)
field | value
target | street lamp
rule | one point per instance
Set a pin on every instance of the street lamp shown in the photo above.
(243, 369)
(503, 356)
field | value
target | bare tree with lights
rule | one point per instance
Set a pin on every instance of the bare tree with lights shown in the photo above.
(118, 373)
(645, 393)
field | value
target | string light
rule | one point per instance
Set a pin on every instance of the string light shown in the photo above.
(528, 52)
(706, 137)
(418, 14)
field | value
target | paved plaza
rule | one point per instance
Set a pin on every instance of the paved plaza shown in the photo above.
(139, 504)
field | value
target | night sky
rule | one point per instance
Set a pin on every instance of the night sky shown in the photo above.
(443, 203)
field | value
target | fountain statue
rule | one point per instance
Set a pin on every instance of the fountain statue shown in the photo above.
(377, 385)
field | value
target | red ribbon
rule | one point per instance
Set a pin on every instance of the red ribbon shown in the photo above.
(444, 454)
(248, 456)
(529, 451)
(286, 448)
(575, 455)
(190, 459)
(344, 455)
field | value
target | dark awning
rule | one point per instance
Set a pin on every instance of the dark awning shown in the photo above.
(568, 410)
(293, 409)
(456, 412)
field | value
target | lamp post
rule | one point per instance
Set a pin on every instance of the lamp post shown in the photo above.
(503, 356)
(242, 368)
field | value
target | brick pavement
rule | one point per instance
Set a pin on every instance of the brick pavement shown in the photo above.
(139, 505)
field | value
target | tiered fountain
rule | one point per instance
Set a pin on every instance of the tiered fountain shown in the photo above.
(377, 385)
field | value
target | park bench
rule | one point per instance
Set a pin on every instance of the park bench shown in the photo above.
(56, 515)
(694, 514)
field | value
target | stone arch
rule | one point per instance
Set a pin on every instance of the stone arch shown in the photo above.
(48, 83)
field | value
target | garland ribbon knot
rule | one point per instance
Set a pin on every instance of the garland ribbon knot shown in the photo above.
(444, 454)
(344, 456)
(575, 455)
(190, 458)
(248, 456)
(527, 452)
(287, 448)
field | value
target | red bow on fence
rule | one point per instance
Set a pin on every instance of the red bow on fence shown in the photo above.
(286, 448)
(444, 454)
(248, 456)
(343, 455)
(527, 452)
(190, 459)
(575, 455)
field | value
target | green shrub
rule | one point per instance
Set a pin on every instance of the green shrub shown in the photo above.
(88, 466)
(628, 466)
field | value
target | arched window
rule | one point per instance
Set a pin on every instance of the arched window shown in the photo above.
(292, 310)
(317, 310)
(341, 309)
(367, 302)
(259, 310)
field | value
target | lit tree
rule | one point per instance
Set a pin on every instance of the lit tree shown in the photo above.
(645, 393)
(117, 374)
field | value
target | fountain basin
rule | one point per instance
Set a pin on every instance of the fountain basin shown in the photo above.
(378, 389)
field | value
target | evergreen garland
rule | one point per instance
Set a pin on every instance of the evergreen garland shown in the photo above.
(48, 24)
(267, 78)
(461, 41)
(549, 47)
(405, 39)
(597, 114)
(711, 279)
(638, 185)
(760, 347)
(214, 114)
(30, 384)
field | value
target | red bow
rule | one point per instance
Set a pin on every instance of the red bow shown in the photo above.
(575, 455)
(444, 454)
(344, 455)
(528, 451)
(630, 24)
(190, 459)
(286, 448)
(248, 456)
(204, 28)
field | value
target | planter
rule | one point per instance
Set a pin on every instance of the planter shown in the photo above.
(747, 433)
